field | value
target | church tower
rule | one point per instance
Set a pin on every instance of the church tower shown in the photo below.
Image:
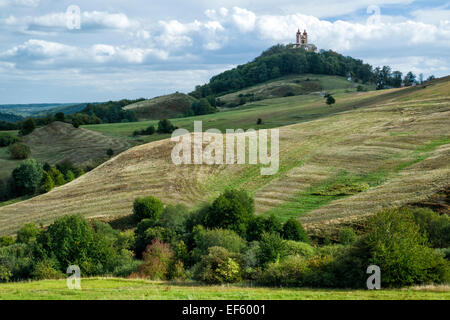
(299, 36)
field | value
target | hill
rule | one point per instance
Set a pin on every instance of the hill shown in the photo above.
(169, 106)
(289, 86)
(59, 141)
(384, 148)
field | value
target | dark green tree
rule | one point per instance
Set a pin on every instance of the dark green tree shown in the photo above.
(27, 177)
(147, 208)
(293, 230)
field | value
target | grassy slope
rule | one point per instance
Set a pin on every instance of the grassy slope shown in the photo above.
(395, 141)
(59, 141)
(168, 106)
(121, 289)
(298, 85)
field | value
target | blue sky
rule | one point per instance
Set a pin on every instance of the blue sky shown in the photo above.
(132, 49)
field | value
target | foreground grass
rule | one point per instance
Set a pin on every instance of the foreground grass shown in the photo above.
(123, 289)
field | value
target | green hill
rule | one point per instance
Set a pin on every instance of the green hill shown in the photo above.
(59, 141)
(169, 106)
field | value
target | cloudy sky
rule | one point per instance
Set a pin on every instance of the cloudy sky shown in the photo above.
(117, 49)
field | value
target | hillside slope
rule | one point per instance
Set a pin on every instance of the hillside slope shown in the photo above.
(392, 151)
(169, 106)
(59, 141)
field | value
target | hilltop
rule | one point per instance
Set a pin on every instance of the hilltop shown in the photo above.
(337, 164)
(169, 106)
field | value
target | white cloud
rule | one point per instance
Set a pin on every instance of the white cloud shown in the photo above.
(432, 16)
(23, 3)
(244, 19)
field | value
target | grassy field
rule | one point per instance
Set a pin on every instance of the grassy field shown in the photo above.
(123, 289)
(383, 148)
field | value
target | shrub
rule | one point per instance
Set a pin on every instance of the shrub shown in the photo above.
(271, 248)
(158, 258)
(232, 210)
(293, 230)
(46, 269)
(27, 127)
(146, 233)
(28, 233)
(259, 121)
(174, 218)
(19, 151)
(47, 183)
(205, 239)
(395, 244)
(347, 236)
(260, 224)
(218, 266)
(294, 248)
(147, 208)
(71, 240)
(6, 241)
(436, 227)
(27, 177)
(289, 272)
(330, 100)
(57, 176)
(165, 126)
(5, 274)
(69, 176)
(7, 139)
(360, 88)
(16, 261)
(110, 152)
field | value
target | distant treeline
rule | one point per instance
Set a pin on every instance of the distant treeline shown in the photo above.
(280, 60)
(93, 113)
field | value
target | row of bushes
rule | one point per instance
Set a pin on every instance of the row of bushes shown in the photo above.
(164, 126)
(31, 177)
(225, 242)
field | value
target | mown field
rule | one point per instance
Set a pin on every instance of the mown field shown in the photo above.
(124, 289)
(337, 163)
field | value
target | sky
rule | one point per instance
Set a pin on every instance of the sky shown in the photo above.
(83, 51)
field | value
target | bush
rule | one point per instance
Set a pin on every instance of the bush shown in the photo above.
(6, 241)
(347, 236)
(69, 176)
(290, 272)
(47, 183)
(174, 218)
(259, 224)
(218, 266)
(294, 248)
(330, 100)
(158, 258)
(7, 139)
(19, 151)
(165, 126)
(16, 261)
(436, 227)
(293, 230)
(232, 210)
(259, 121)
(46, 269)
(205, 239)
(395, 244)
(146, 233)
(28, 233)
(5, 274)
(27, 127)
(70, 240)
(27, 177)
(110, 152)
(57, 176)
(272, 248)
(147, 208)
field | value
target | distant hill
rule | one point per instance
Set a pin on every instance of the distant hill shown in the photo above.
(9, 117)
(280, 61)
(169, 106)
(289, 86)
(390, 148)
(41, 109)
(59, 141)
